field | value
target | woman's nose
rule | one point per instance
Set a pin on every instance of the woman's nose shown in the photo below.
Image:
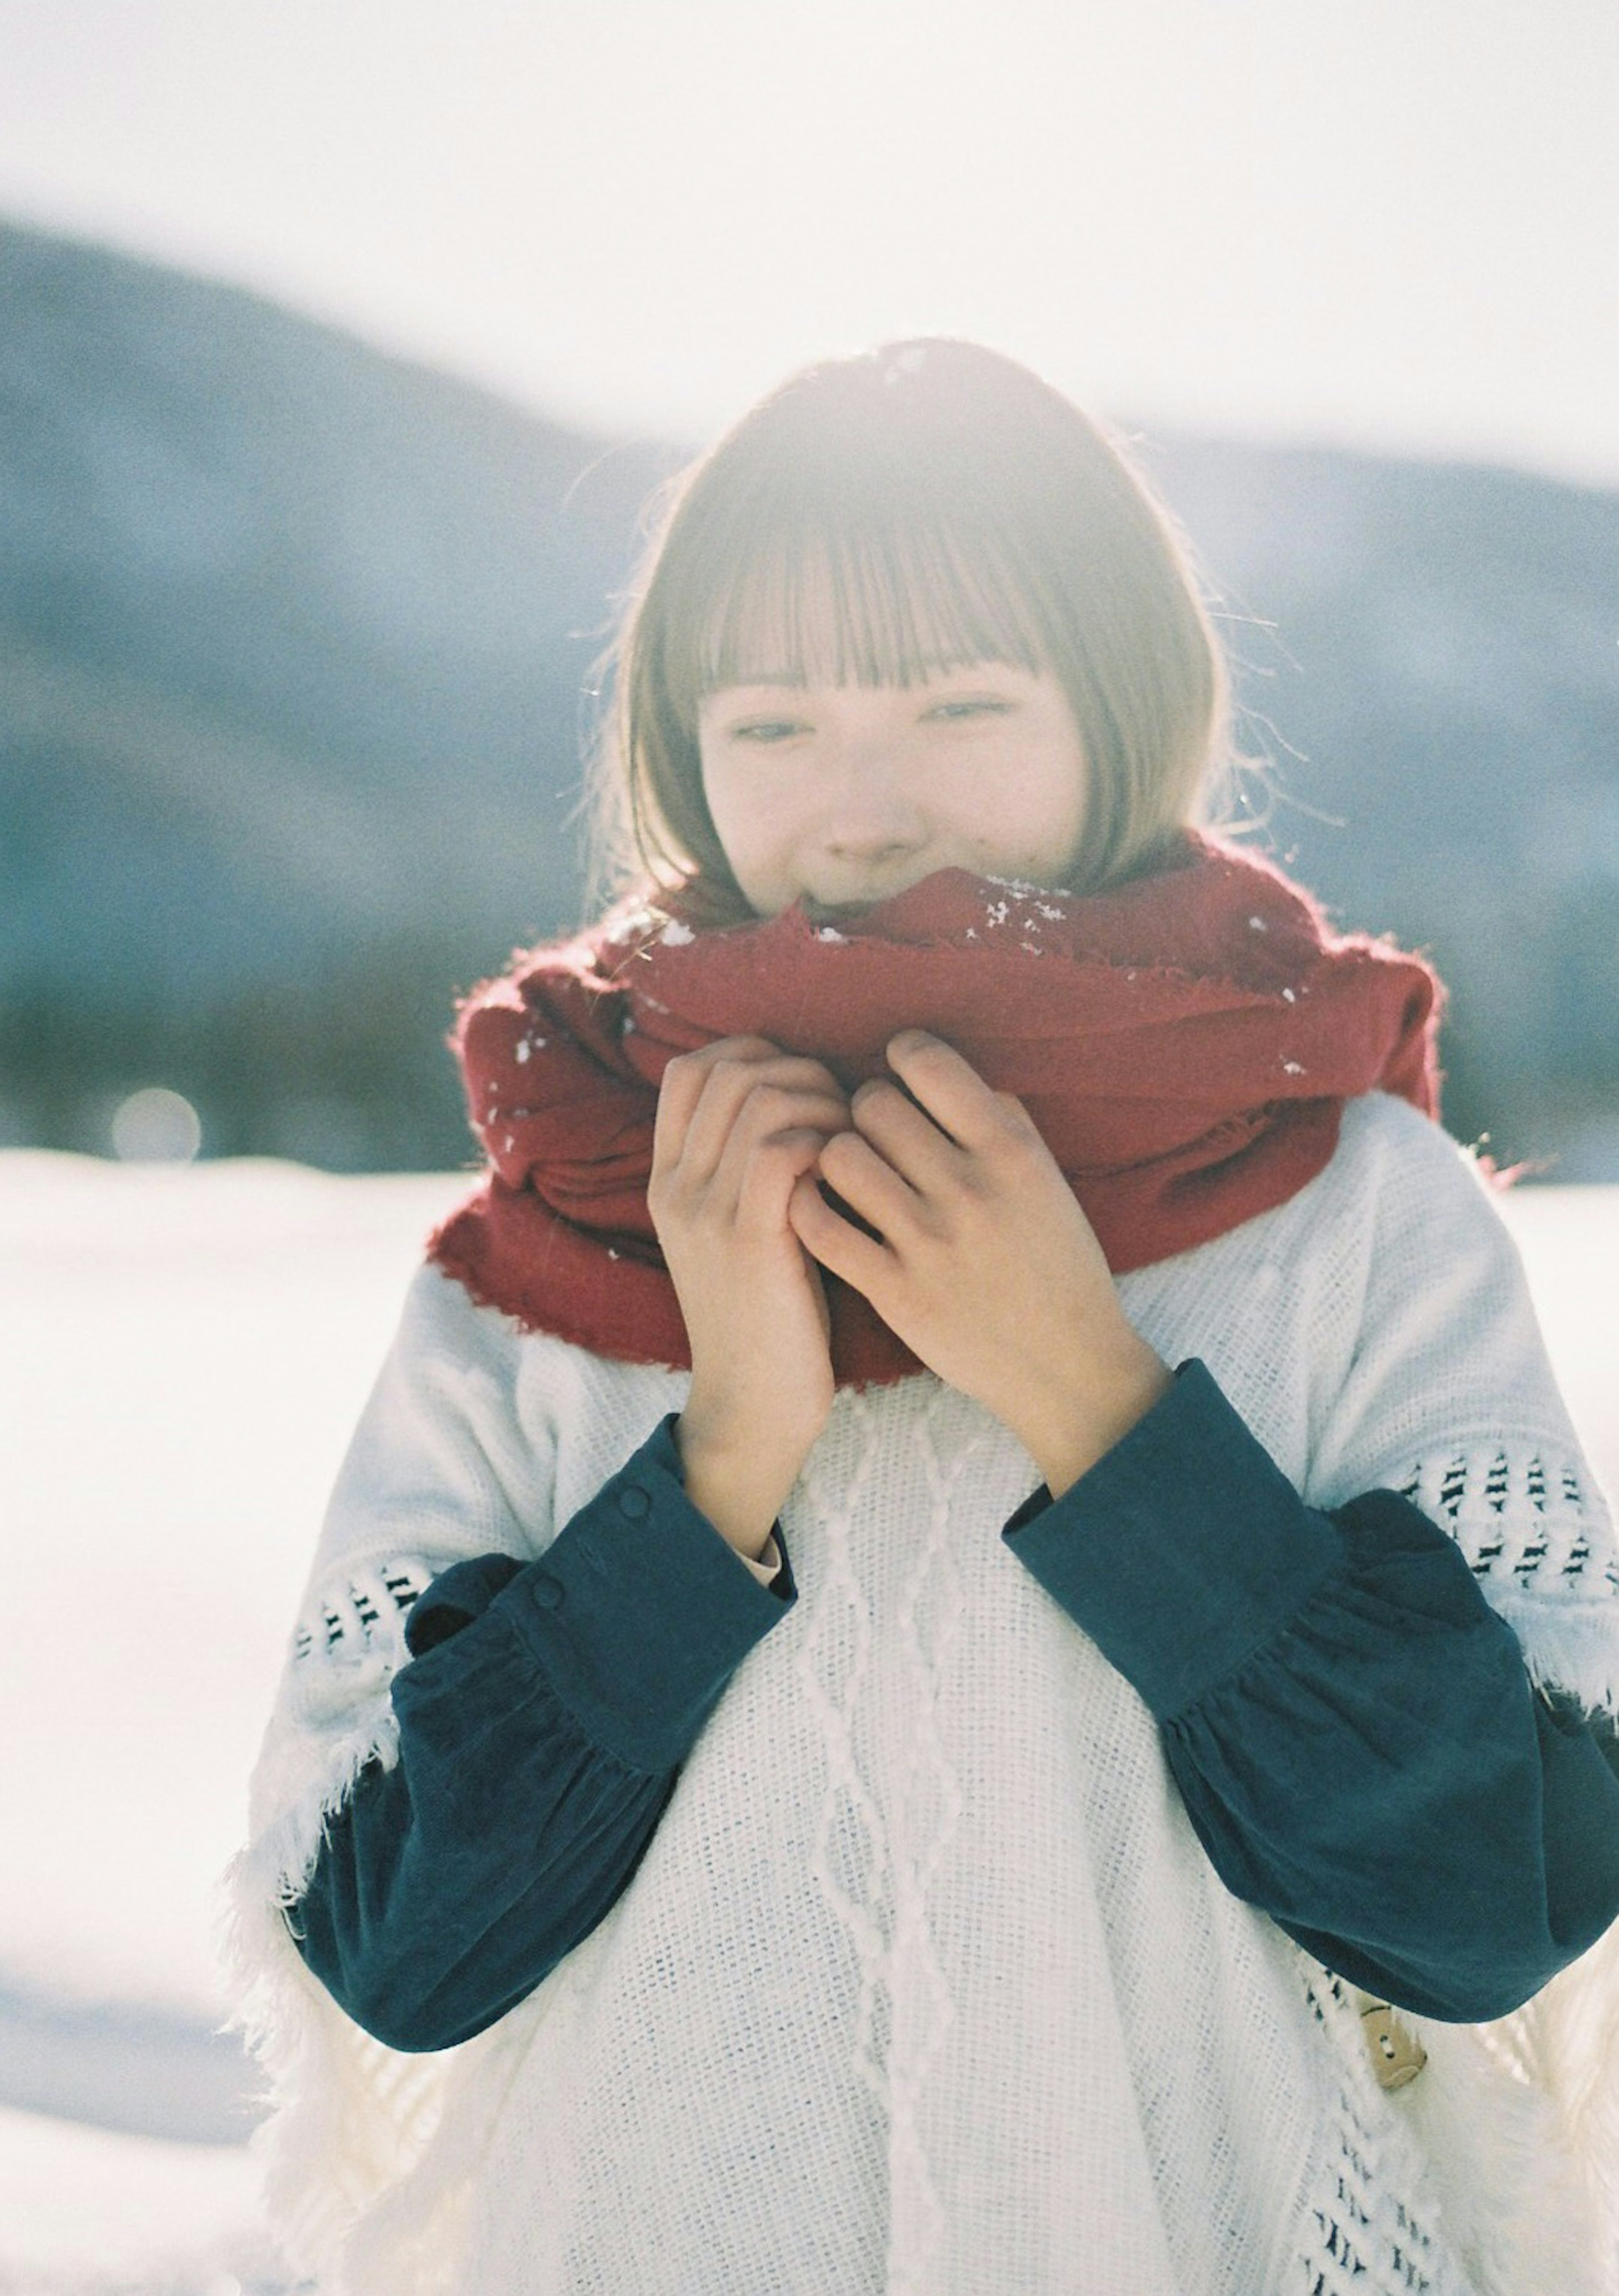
(871, 807)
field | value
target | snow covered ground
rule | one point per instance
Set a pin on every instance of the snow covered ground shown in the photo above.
(181, 1356)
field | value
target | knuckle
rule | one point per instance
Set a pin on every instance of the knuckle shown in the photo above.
(804, 1075)
(769, 1157)
(933, 1224)
(1015, 1131)
(668, 1206)
(763, 1110)
(979, 1187)
(722, 1055)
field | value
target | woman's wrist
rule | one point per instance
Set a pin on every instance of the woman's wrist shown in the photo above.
(1067, 1426)
(734, 1476)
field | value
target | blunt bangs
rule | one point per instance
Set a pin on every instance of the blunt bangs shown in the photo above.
(863, 605)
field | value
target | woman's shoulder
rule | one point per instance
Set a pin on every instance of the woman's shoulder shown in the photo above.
(456, 1360)
(1394, 1164)
(451, 1364)
(441, 1317)
(445, 1342)
(1378, 1126)
(1403, 1221)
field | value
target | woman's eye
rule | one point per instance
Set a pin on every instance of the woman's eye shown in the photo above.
(766, 730)
(982, 707)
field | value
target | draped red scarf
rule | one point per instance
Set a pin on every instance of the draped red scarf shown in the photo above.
(1185, 1044)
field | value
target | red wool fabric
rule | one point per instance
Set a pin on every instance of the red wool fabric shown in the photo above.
(1185, 1044)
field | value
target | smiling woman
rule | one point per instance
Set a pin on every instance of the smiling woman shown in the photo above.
(969, 1538)
(842, 795)
(876, 523)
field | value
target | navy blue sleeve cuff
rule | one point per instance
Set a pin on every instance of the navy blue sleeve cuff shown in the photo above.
(1184, 1550)
(639, 1612)
(456, 1597)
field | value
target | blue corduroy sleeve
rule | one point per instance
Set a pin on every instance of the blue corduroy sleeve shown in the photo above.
(543, 1719)
(1351, 1727)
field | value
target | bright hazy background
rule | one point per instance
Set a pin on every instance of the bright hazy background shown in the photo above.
(1394, 223)
(1388, 226)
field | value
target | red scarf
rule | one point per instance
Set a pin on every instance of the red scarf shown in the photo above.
(1185, 1043)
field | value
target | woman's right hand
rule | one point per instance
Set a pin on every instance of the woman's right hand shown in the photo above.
(738, 1124)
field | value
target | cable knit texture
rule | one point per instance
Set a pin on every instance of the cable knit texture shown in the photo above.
(925, 1983)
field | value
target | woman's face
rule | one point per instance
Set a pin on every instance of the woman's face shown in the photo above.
(843, 795)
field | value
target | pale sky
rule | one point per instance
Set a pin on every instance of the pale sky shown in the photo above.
(1385, 223)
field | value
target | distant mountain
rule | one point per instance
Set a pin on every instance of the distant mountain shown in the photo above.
(293, 644)
(293, 639)
(1427, 654)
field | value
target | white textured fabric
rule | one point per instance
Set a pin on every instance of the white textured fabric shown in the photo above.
(925, 1983)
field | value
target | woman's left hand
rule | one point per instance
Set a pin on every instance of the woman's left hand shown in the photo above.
(986, 1267)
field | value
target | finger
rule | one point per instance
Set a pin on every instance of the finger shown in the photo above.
(868, 1186)
(905, 1137)
(950, 1089)
(842, 1249)
(682, 1085)
(723, 1072)
(747, 1102)
(764, 1180)
(767, 1117)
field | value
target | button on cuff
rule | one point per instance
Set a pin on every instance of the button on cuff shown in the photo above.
(639, 1612)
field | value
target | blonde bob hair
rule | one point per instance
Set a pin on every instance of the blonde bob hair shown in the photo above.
(922, 506)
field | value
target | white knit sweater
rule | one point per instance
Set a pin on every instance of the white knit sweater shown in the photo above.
(925, 1983)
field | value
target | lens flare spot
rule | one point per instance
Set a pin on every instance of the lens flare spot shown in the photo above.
(155, 1125)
